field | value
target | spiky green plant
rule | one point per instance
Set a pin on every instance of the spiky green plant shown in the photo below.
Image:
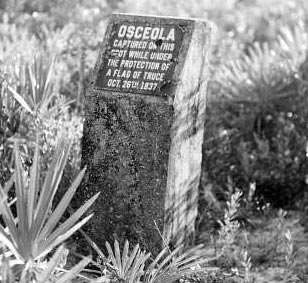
(128, 267)
(167, 267)
(36, 88)
(52, 272)
(48, 271)
(29, 102)
(36, 230)
(265, 76)
(258, 78)
(292, 43)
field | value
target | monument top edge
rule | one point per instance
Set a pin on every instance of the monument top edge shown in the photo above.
(128, 16)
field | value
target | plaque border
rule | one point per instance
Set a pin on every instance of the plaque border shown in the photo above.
(183, 49)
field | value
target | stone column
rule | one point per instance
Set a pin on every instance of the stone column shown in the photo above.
(143, 130)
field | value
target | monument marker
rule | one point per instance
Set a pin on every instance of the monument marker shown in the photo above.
(140, 56)
(143, 129)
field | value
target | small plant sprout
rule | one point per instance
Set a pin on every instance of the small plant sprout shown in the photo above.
(252, 190)
(228, 253)
(289, 258)
(229, 226)
(246, 263)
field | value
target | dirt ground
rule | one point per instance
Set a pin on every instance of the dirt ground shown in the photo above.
(268, 250)
(274, 258)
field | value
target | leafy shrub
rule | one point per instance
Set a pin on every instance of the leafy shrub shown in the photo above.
(256, 130)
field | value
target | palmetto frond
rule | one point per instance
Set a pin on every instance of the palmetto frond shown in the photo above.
(168, 266)
(38, 230)
(43, 271)
(136, 266)
(265, 75)
(52, 273)
(293, 44)
(128, 266)
(35, 92)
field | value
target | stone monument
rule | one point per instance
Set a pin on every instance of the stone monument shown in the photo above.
(143, 130)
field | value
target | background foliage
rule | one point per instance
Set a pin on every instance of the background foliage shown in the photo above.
(256, 127)
(256, 136)
(256, 130)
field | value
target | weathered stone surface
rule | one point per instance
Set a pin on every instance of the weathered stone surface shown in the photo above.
(142, 147)
(185, 155)
(125, 146)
